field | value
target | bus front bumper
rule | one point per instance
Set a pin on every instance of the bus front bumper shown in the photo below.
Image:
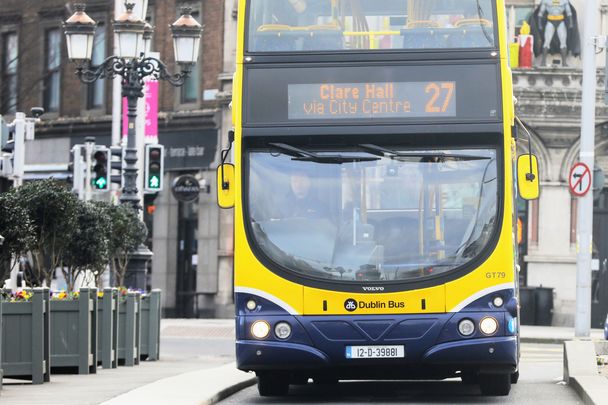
(492, 354)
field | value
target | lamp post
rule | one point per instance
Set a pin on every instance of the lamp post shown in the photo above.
(132, 65)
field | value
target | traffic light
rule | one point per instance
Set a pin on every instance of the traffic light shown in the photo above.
(7, 148)
(117, 164)
(100, 170)
(154, 166)
(77, 169)
(4, 133)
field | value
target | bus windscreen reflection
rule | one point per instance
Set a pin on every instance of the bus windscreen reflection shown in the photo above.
(375, 214)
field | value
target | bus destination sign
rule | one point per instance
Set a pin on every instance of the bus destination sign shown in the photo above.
(371, 100)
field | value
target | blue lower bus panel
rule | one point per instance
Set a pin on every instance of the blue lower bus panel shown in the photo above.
(398, 346)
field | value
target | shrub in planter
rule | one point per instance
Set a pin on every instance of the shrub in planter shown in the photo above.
(107, 336)
(74, 331)
(87, 248)
(17, 230)
(26, 335)
(52, 209)
(150, 325)
(129, 327)
(128, 233)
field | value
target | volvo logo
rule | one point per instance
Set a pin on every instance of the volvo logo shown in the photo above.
(350, 305)
(373, 288)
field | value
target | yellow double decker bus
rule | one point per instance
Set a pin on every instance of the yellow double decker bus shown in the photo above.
(373, 180)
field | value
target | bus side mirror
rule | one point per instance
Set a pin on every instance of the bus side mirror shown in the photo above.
(527, 177)
(226, 189)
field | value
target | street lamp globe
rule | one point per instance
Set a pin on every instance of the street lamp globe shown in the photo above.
(186, 33)
(148, 32)
(129, 30)
(80, 31)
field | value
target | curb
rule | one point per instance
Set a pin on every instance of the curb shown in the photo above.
(543, 340)
(228, 391)
(581, 372)
(579, 388)
(201, 387)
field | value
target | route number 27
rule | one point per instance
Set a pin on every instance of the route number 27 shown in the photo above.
(441, 96)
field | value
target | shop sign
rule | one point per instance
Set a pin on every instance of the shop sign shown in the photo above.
(189, 150)
(186, 188)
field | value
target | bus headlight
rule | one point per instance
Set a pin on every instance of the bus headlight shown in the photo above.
(260, 329)
(498, 301)
(282, 330)
(466, 327)
(488, 326)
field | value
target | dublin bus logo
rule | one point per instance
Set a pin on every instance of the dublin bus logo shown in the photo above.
(350, 305)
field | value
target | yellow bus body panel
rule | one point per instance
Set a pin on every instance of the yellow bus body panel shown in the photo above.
(495, 273)
(498, 271)
(405, 302)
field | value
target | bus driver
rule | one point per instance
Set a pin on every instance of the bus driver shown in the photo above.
(300, 201)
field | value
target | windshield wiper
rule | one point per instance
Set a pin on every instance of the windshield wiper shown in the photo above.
(481, 15)
(307, 156)
(384, 152)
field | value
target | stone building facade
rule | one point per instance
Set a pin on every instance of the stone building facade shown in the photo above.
(549, 101)
(192, 262)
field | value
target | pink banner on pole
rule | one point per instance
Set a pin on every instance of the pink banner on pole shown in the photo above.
(152, 110)
(125, 118)
(151, 98)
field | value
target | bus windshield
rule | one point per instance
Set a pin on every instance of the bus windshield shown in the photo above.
(340, 25)
(372, 214)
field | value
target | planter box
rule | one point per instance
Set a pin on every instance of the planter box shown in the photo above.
(107, 329)
(150, 326)
(1, 371)
(26, 338)
(129, 329)
(74, 332)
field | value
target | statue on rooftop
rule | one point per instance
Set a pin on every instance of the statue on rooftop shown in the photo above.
(555, 28)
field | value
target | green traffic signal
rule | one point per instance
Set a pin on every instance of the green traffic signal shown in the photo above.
(154, 182)
(153, 179)
(100, 170)
(100, 183)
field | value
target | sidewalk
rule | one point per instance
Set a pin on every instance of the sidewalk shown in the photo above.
(553, 334)
(196, 352)
(196, 367)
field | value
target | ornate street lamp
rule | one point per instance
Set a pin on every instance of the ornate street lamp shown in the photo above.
(133, 65)
(80, 32)
(129, 30)
(186, 33)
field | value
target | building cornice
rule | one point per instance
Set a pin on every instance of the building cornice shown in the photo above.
(180, 120)
(549, 99)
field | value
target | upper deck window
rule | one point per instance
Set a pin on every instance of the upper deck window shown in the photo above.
(343, 25)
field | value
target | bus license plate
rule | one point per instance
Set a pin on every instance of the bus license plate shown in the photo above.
(375, 352)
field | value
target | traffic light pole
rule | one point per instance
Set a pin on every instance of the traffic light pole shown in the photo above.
(23, 128)
(89, 145)
(19, 152)
(584, 235)
(137, 269)
(130, 193)
(132, 73)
